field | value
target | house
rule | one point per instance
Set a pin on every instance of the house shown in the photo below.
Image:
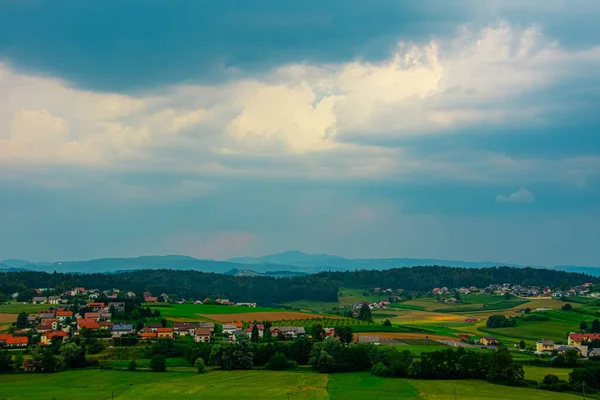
(578, 339)
(47, 314)
(464, 337)
(88, 324)
(107, 326)
(246, 304)
(471, 320)
(130, 295)
(39, 300)
(53, 300)
(259, 327)
(47, 337)
(543, 346)
(148, 335)
(16, 341)
(121, 329)
(78, 290)
(229, 329)
(489, 341)
(92, 315)
(95, 305)
(62, 315)
(51, 322)
(43, 328)
(207, 325)
(147, 294)
(105, 316)
(288, 331)
(165, 333)
(594, 353)
(329, 332)
(581, 350)
(185, 330)
(150, 299)
(154, 327)
(118, 306)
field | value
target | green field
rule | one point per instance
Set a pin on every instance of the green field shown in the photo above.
(15, 308)
(538, 373)
(302, 385)
(192, 310)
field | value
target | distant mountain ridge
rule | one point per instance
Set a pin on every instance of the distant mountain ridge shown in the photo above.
(286, 264)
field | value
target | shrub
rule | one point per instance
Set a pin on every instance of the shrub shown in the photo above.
(158, 363)
(132, 366)
(380, 369)
(566, 307)
(387, 322)
(200, 365)
(277, 363)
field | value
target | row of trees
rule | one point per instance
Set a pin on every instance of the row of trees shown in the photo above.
(267, 290)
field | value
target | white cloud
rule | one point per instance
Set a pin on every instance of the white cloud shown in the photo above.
(521, 196)
(307, 119)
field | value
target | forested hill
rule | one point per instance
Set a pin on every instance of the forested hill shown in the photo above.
(426, 278)
(267, 290)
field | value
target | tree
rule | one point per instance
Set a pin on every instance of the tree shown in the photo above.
(18, 362)
(45, 361)
(364, 314)
(135, 314)
(5, 361)
(132, 366)
(318, 334)
(254, 336)
(387, 323)
(267, 335)
(233, 355)
(199, 365)
(507, 296)
(344, 333)
(583, 326)
(502, 368)
(277, 363)
(566, 307)
(158, 363)
(22, 321)
(73, 355)
(595, 326)
(522, 344)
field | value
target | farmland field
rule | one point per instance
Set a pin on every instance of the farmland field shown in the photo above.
(15, 308)
(302, 385)
(261, 316)
(538, 373)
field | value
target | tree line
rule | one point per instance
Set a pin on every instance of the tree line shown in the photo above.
(268, 290)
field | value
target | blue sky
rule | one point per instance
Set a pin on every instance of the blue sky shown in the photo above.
(441, 129)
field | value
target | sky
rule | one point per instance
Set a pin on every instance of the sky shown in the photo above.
(462, 129)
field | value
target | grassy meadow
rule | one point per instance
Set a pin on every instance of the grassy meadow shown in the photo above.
(300, 385)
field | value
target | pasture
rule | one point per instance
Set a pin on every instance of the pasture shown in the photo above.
(298, 385)
(16, 308)
(538, 373)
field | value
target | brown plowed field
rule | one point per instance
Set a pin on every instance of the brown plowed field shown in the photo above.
(8, 317)
(403, 335)
(261, 316)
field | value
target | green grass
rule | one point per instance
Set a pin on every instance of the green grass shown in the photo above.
(15, 308)
(535, 330)
(100, 384)
(312, 306)
(538, 373)
(192, 310)
(476, 390)
(404, 306)
(501, 305)
(364, 386)
(297, 385)
(145, 363)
